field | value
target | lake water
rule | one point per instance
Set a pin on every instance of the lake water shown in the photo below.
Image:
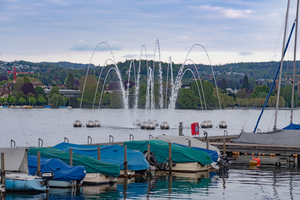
(25, 126)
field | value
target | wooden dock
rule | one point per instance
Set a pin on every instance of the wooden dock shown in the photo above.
(217, 141)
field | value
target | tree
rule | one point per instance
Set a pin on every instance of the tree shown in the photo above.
(90, 88)
(54, 90)
(245, 84)
(186, 99)
(56, 99)
(27, 87)
(3, 78)
(42, 100)
(32, 100)
(45, 81)
(208, 89)
(12, 100)
(223, 85)
(116, 99)
(39, 90)
(260, 89)
(21, 100)
(2, 100)
(70, 81)
(26, 79)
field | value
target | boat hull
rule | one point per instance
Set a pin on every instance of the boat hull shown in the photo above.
(64, 184)
(24, 182)
(191, 167)
(97, 179)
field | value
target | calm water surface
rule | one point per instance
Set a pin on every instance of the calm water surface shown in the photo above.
(25, 126)
(239, 182)
(236, 183)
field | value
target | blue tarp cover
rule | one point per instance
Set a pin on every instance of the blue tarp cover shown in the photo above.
(213, 154)
(61, 170)
(109, 153)
(292, 127)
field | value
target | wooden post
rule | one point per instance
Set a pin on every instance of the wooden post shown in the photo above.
(180, 129)
(207, 144)
(224, 146)
(170, 157)
(125, 161)
(71, 156)
(39, 164)
(190, 143)
(148, 153)
(2, 169)
(99, 153)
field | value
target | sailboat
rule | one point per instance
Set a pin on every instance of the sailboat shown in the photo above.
(289, 135)
(16, 177)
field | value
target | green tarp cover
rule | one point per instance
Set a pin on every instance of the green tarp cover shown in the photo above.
(91, 165)
(161, 151)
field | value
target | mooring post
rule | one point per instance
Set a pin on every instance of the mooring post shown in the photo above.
(190, 143)
(39, 164)
(2, 169)
(71, 156)
(180, 128)
(206, 140)
(99, 155)
(148, 153)
(224, 142)
(170, 157)
(125, 161)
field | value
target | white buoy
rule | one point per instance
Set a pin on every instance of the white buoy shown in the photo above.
(90, 124)
(137, 123)
(143, 125)
(97, 123)
(164, 125)
(77, 123)
(204, 124)
(210, 125)
(155, 122)
(222, 124)
(150, 126)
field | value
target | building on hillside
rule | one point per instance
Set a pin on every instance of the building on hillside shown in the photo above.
(4, 92)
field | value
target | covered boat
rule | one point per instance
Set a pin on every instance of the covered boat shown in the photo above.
(183, 141)
(136, 161)
(186, 159)
(64, 174)
(16, 172)
(97, 171)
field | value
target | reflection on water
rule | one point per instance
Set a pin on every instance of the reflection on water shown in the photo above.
(236, 182)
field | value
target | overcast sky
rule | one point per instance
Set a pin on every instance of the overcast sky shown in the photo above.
(69, 30)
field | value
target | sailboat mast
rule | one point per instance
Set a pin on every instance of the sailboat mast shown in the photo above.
(281, 65)
(294, 69)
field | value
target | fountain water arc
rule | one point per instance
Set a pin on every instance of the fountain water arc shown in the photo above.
(213, 73)
(137, 87)
(87, 72)
(188, 69)
(150, 94)
(200, 82)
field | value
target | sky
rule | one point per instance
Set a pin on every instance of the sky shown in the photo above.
(219, 31)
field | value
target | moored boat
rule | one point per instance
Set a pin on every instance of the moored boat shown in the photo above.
(91, 165)
(111, 154)
(16, 172)
(64, 174)
(184, 159)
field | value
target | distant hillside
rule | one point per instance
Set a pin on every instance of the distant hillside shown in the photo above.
(65, 64)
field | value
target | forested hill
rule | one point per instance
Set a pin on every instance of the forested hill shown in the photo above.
(255, 70)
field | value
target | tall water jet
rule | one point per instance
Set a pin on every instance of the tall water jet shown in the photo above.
(137, 86)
